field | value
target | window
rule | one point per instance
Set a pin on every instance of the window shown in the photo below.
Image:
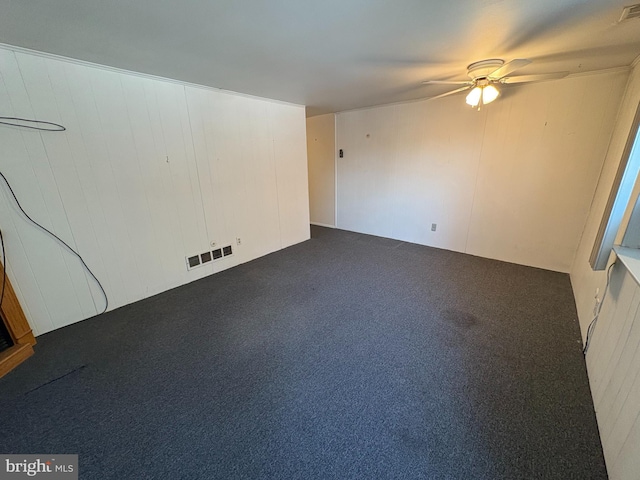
(619, 199)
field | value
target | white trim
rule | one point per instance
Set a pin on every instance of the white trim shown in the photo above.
(622, 190)
(317, 224)
(624, 68)
(630, 258)
(16, 49)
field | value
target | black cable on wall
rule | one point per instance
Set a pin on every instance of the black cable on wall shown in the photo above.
(32, 124)
(49, 127)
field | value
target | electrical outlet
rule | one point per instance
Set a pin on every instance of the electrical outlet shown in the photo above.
(238, 241)
(434, 226)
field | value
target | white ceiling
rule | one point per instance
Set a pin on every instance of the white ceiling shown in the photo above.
(330, 55)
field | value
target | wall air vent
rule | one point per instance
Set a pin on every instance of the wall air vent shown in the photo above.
(206, 257)
(632, 11)
(193, 262)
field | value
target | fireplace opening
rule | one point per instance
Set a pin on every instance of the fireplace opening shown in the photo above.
(6, 341)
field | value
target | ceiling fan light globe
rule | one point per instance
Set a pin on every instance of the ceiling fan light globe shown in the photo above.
(473, 98)
(489, 94)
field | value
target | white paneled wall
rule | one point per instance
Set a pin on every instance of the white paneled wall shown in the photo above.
(512, 182)
(148, 172)
(613, 361)
(321, 156)
(585, 281)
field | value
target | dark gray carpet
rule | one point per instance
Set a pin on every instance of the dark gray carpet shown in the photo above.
(347, 356)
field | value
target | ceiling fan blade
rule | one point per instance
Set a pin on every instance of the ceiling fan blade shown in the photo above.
(533, 78)
(446, 82)
(508, 67)
(446, 94)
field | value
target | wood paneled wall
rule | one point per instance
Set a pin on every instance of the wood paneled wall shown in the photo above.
(321, 155)
(613, 362)
(148, 171)
(512, 182)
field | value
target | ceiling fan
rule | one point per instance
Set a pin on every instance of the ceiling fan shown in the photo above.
(486, 75)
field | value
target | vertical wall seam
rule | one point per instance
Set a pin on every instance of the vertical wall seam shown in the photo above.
(81, 136)
(275, 172)
(84, 196)
(110, 157)
(64, 208)
(475, 187)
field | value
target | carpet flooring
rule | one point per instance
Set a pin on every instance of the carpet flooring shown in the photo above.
(344, 357)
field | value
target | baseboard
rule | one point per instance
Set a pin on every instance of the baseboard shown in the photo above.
(322, 225)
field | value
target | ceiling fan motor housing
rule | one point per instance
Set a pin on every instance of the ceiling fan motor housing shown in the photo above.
(480, 70)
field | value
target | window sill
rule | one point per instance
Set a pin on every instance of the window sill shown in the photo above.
(630, 258)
